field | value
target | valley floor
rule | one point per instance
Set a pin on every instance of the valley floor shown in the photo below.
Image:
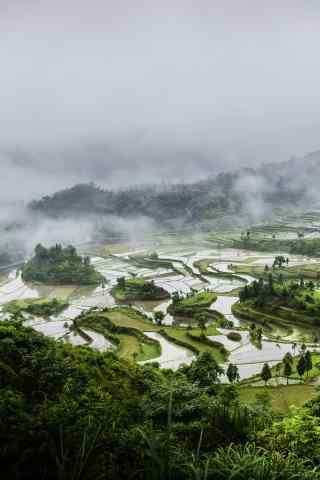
(184, 267)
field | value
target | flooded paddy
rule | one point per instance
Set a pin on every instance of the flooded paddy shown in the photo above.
(99, 342)
(172, 356)
(223, 304)
(16, 289)
(54, 328)
(184, 278)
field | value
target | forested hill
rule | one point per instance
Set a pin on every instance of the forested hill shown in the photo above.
(247, 192)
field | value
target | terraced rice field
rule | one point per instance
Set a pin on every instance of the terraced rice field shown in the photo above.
(176, 269)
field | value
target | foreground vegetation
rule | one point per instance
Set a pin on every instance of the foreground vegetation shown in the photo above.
(60, 266)
(69, 412)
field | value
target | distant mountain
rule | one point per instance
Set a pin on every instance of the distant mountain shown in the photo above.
(244, 194)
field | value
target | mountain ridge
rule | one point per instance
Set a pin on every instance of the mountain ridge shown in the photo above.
(245, 192)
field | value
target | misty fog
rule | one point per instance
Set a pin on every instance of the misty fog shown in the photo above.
(131, 92)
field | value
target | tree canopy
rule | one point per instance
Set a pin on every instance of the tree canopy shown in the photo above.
(60, 266)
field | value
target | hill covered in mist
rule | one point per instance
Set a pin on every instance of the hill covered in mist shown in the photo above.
(87, 212)
(246, 194)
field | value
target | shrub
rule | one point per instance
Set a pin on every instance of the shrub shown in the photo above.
(234, 336)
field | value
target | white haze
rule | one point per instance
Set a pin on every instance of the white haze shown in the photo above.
(131, 91)
(125, 92)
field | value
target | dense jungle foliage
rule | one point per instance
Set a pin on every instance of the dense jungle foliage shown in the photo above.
(73, 413)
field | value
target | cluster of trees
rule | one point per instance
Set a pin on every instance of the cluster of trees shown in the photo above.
(178, 296)
(60, 266)
(204, 296)
(182, 202)
(308, 247)
(303, 365)
(39, 308)
(193, 304)
(159, 317)
(280, 261)
(259, 289)
(138, 289)
(287, 293)
(204, 202)
(255, 333)
(233, 373)
(71, 412)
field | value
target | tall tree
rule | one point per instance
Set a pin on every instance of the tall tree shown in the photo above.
(233, 373)
(121, 282)
(266, 373)
(205, 370)
(301, 365)
(159, 317)
(287, 370)
(308, 362)
(288, 358)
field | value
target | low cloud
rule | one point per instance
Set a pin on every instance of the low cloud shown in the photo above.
(124, 92)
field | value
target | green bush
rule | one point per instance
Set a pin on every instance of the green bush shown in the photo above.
(234, 336)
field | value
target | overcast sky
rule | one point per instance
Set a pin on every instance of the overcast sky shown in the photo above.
(123, 91)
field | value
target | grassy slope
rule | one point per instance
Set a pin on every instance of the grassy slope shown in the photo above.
(129, 346)
(192, 305)
(205, 263)
(130, 318)
(135, 290)
(202, 299)
(285, 318)
(30, 306)
(308, 271)
(282, 397)
(127, 317)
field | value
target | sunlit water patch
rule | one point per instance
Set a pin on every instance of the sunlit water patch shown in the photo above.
(231, 345)
(250, 354)
(163, 307)
(99, 342)
(75, 339)
(224, 304)
(172, 356)
(54, 328)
